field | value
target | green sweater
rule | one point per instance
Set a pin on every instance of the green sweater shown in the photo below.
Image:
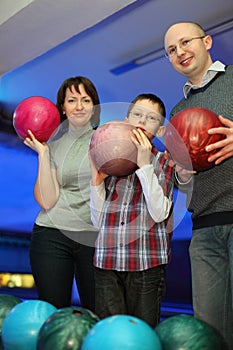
(210, 198)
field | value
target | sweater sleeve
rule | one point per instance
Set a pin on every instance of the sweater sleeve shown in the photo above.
(158, 204)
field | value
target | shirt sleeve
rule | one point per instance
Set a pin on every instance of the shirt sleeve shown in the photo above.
(183, 186)
(97, 199)
(157, 203)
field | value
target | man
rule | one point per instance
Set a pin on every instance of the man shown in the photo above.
(209, 86)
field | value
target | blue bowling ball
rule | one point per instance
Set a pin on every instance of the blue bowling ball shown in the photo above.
(21, 326)
(121, 332)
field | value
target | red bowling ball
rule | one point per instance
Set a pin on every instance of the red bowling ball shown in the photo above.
(37, 114)
(186, 137)
(112, 150)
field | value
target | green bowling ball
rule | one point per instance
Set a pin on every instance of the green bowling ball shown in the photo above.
(7, 302)
(188, 333)
(66, 329)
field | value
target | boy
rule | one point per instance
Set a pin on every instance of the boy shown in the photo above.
(132, 214)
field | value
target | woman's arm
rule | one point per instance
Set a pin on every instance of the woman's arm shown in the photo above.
(46, 189)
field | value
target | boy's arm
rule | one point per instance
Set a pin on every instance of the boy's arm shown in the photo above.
(158, 204)
(97, 194)
(97, 199)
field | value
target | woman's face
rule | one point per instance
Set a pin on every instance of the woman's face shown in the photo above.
(78, 107)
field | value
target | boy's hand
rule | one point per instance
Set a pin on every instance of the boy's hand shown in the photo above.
(143, 145)
(183, 174)
(97, 176)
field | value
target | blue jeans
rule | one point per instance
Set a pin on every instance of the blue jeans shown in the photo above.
(136, 293)
(211, 254)
(55, 260)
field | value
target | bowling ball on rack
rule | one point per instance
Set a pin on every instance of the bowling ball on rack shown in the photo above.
(7, 302)
(38, 114)
(66, 329)
(112, 150)
(186, 137)
(21, 326)
(121, 332)
(186, 332)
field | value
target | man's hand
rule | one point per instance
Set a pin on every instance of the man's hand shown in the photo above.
(225, 146)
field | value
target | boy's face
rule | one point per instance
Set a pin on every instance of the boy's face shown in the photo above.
(146, 115)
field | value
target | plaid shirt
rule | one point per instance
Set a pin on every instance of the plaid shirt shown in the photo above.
(129, 239)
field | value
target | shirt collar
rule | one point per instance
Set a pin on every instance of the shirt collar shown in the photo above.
(215, 67)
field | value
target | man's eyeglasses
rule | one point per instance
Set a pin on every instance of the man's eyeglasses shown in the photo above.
(150, 117)
(183, 44)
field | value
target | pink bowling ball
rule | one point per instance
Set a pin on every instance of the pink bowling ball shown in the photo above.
(112, 150)
(37, 114)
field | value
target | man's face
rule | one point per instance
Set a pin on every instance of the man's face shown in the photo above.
(188, 50)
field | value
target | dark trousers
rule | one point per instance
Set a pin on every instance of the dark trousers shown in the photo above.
(137, 293)
(55, 260)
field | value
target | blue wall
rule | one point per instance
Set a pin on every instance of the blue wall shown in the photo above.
(17, 176)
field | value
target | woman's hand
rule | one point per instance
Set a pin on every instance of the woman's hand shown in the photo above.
(143, 145)
(34, 144)
(225, 146)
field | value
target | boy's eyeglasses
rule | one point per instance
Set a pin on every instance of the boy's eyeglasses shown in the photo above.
(150, 117)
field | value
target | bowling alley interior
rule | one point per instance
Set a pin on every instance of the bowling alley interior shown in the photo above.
(119, 46)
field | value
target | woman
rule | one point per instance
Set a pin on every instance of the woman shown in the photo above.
(62, 242)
